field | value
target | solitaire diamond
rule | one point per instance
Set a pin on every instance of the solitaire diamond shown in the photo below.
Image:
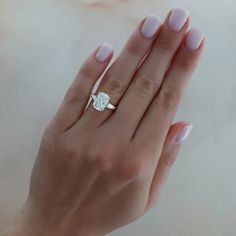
(101, 101)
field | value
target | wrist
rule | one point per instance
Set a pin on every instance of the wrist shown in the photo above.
(25, 223)
(21, 224)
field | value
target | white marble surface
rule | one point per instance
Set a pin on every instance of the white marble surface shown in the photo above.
(42, 45)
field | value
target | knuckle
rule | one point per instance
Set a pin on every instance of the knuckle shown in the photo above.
(48, 143)
(168, 159)
(183, 63)
(72, 98)
(72, 149)
(133, 47)
(145, 86)
(53, 146)
(113, 85)
(102, 157)
(72, 153)
(164, 44)
(133, 171)
(86, 71)
(169, 98)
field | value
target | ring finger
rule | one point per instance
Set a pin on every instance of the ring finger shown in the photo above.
(118, 76)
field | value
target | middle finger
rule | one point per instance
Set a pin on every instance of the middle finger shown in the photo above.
(149, 77)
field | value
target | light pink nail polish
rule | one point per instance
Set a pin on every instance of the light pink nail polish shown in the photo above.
(184, 133)
(194, 39)
(178, 18)
(104, 52)
(150, 26)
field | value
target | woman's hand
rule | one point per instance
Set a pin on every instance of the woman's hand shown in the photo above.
(97, 171)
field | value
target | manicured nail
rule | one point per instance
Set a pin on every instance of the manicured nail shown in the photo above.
(104, 52)
(178, 18)
(150, 26)
(184, 133)
(194, 39)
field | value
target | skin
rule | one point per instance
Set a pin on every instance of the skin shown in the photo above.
(98, 171)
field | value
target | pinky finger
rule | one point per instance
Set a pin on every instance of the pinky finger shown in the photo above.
(177, 134)
(77, 96)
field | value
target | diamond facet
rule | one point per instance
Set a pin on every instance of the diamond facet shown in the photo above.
(101, 101)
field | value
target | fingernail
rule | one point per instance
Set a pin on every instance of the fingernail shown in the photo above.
(178, 18)
(150, 26)
(184, 133)
(194, 39)
(104, 52)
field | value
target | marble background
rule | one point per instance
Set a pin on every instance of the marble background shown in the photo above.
(42, 45)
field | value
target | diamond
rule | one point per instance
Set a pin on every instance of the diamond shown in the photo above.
(101, 101)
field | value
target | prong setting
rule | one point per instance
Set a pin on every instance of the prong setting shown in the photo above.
(100, 101)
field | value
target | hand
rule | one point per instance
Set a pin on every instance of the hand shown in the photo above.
(97, 171)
